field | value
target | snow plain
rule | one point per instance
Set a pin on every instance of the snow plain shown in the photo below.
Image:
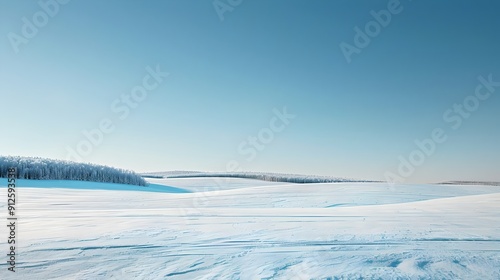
(217, 228)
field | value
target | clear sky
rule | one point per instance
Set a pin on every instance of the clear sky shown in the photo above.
(65, 67)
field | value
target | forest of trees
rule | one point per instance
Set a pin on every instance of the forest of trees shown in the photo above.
(271, 177)
(35, 168)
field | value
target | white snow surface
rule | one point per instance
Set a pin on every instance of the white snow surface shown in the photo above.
(198, 228)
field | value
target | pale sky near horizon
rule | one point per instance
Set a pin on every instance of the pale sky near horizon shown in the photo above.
(228, 78)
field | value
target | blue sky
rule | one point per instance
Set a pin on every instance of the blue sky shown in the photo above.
(227, 76)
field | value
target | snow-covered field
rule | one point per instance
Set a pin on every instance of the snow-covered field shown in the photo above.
(213, 228)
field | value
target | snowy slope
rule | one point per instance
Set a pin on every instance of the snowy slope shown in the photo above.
(211, 184)
(264, 176)
(259, 231)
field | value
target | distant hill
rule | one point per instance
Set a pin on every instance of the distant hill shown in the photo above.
(168, 174)
(471, 183)
(35, 168)
(272, 177)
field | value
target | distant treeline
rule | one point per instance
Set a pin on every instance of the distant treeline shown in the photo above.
(35, 168)
(479, 183)
(271, 177)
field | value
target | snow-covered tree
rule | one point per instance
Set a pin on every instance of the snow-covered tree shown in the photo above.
(35, 168)
(272, 177)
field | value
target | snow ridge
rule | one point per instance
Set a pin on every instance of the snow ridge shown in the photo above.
(270, 177)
